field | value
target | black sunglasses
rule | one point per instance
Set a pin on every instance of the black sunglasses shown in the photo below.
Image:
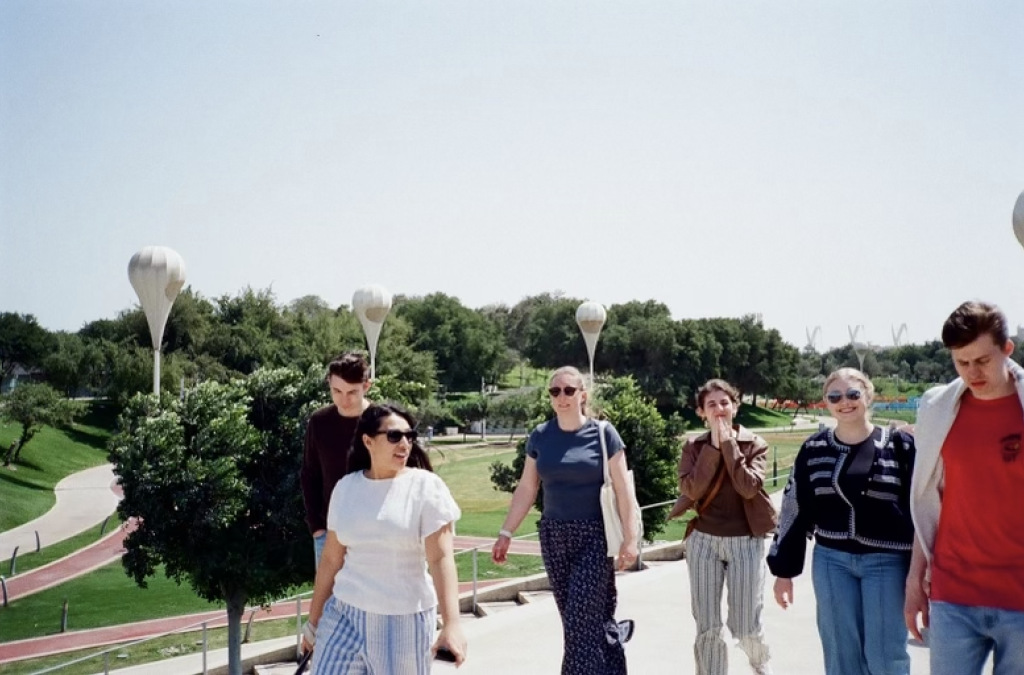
(569, 391)
(395, 436)
(837, 396)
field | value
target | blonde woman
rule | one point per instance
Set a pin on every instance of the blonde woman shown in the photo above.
(564, 454)
(850, 489)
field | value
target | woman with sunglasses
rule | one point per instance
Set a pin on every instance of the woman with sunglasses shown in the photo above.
(565, 455)
(390, 526)
(722, 472)
(850, 490)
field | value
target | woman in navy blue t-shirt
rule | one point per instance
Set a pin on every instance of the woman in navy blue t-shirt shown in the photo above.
(564, 454)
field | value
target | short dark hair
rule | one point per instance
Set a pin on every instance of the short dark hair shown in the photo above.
(351, 367)
(369, 424)
(717, 385)
(971, 320)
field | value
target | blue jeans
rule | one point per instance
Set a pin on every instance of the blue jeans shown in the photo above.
(961, 638)
(318, 546)
(860, 611)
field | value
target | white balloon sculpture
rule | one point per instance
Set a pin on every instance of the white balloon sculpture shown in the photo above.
(1018, 219)
(371, 305)
(157, 274)
(590, 317)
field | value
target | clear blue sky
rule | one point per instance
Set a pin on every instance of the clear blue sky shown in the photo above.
(820, 163)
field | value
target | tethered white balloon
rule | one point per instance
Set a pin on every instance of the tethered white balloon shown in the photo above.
(590, 317)
(371, 305)
(157, 274)
(1018, 219)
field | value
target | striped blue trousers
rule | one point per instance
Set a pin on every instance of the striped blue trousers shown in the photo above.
(350, 641)
(739, 563)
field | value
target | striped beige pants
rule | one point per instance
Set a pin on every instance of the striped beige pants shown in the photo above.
(736, 562)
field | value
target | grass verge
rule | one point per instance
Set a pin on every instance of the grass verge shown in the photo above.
(101, 598)
(27, 492)
(157, 649)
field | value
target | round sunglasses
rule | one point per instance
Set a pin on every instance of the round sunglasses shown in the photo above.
(395, 436)
(851, 394)
(569, 391)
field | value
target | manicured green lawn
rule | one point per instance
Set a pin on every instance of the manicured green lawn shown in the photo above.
(467, 473)
(102, 598)
(27, 493)
(516, 566)
(157, 649)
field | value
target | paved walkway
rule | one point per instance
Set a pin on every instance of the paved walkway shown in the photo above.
(84, 499)
(528, 639)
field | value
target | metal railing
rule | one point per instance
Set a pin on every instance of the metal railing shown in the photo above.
(105, 653)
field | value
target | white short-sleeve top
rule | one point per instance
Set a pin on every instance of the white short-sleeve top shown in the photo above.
(382, 524)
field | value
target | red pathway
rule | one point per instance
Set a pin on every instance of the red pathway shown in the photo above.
(82, 561)
(111, 548)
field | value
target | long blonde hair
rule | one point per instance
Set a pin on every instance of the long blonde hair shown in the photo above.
(581, 382)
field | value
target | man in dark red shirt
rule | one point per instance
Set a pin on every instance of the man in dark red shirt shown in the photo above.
(328, 440)
(966, 577)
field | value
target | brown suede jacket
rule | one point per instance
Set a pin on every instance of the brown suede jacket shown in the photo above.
(746, 458)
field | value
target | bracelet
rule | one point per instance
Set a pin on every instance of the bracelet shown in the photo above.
(505, 533)
(309, 633)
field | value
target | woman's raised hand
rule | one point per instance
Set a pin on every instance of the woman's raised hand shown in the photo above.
(721, 430)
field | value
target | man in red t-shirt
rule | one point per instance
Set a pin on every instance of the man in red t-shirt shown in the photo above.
(966, 578)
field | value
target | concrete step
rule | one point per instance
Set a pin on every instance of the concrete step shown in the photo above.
(485, 609)
(526, 597)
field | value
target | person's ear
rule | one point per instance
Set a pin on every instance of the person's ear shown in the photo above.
(366, 385)
(1008, 347)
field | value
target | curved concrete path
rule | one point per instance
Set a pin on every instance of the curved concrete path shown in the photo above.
(84, 499)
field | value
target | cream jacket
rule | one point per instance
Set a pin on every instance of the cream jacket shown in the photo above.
(935, 418)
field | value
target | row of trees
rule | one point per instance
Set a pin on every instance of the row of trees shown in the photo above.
(433, 345)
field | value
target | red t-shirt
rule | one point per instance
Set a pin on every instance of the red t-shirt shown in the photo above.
(979, 547)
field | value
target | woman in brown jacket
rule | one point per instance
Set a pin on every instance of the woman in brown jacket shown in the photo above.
(722, 471)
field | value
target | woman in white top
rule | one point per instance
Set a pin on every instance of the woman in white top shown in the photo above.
(390, 526)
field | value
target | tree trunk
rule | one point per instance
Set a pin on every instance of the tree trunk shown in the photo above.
(27, 432)
(236, 608)
(10, 452)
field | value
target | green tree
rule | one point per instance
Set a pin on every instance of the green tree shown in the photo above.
(652, 448)
(474, 408)
(466, 345)
(514, 410)
(34, 406)
(66, 365)
(213, 482)
(22, 342)
(640, 340)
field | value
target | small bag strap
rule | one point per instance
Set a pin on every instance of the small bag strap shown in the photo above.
(604, 452)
